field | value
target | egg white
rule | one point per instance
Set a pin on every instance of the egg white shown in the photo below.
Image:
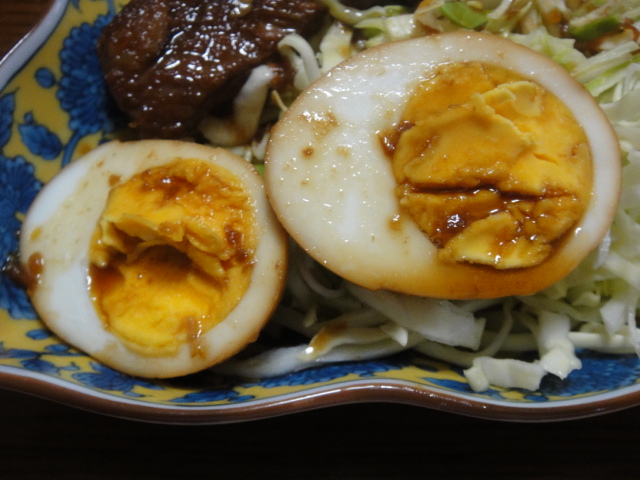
(332, 187)
(59, 227)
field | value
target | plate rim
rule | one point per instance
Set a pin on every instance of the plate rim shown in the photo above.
(370, 390)
(30, 43)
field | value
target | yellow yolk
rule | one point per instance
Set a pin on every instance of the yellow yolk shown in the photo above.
(172, 255)
(494, 169)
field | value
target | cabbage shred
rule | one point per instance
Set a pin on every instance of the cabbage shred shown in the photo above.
(594, 308)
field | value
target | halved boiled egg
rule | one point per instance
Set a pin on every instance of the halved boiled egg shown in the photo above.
(459, 166)
(158, 258)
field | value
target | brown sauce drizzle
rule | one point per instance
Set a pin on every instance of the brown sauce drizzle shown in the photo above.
(26, 275)
(389, 138)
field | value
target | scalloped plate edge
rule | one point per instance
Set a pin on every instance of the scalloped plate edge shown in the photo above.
(348, 392)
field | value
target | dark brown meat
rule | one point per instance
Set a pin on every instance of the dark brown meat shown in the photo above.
(169, 62)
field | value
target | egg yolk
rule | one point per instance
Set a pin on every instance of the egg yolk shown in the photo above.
(493, 168)
(172, 255)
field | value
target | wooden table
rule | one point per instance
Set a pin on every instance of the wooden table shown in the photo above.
(17, 18)
(43, 440)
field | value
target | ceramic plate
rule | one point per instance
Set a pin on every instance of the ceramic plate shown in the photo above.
(53, 108)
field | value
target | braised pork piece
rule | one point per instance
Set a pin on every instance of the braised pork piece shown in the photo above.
(168, 63)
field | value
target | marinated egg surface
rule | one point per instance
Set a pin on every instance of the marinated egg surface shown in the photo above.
(159, 258)
(176, 237)
(506, 193)
(459, 166)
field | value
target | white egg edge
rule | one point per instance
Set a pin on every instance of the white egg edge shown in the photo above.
(65, 303)
(420, 55)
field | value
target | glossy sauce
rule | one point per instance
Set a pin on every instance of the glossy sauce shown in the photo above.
(493, 168)
(172, 255)
(168, 64)
(26, 274)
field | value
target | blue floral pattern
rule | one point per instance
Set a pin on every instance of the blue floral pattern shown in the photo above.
(599, 372)
(7, 107)
(38, 361)
(107, 379)
(83, 93)
(20, 188)
(45, 77)
(209, 396)
(328, 373)
(39, 139)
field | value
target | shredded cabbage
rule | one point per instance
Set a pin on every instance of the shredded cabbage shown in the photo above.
(595, 307)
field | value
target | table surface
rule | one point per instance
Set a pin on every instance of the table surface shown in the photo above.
(43, 440)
